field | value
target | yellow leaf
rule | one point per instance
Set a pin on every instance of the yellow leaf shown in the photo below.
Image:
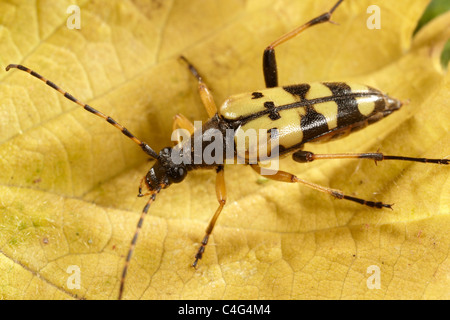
(68, 180)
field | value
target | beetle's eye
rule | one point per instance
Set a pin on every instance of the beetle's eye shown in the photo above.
(166, 151)
(178, 174)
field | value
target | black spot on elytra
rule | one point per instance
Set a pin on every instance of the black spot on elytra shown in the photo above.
(257, 95)
(273, 113)
(348, 112)
(313, 124)
(298, 89)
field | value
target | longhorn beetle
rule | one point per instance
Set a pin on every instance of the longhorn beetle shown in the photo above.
(300, 113)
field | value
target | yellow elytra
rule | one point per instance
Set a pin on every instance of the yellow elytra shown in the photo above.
(309, 112)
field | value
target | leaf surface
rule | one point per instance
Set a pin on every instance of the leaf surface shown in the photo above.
(69, 180)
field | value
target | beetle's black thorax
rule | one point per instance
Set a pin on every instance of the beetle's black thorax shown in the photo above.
(206, 148)
(209, 147)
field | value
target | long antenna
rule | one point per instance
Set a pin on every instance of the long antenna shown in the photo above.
(134, 240)
(147, 149)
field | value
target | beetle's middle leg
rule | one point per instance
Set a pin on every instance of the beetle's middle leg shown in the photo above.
(205, 94)
(221, 194)
(288, 177)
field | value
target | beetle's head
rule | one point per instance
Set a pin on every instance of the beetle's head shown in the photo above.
(165, 171)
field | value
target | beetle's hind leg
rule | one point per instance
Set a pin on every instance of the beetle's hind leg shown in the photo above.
(306, 156)
(269, 62)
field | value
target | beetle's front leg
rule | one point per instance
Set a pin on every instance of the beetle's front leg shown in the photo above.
(205, 95)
